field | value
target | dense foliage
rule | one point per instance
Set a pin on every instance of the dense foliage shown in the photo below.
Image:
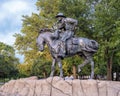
(8, 61)
(107, 28)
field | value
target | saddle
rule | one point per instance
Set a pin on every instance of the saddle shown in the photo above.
(74, 41)
(71, 45)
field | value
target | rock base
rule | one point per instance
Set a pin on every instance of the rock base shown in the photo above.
(56, 86)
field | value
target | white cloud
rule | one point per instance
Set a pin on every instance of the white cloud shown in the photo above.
(8, 38)
(14, 9)
(15, 6)
(11, 12)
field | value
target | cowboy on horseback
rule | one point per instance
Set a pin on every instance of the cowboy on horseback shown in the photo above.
(80, 46)
(65, 30)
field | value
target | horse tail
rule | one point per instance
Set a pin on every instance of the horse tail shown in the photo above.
(93, 45)
(88, 45)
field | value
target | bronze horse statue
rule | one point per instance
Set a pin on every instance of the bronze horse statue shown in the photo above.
(83, 47)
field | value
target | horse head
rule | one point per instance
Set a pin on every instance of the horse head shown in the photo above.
(40, 42)
(44, 37)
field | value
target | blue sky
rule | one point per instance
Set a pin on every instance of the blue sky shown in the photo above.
(11, 12)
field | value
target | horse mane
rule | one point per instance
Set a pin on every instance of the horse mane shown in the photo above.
(45, 30)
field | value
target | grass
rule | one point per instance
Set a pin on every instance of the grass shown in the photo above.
(4, 80)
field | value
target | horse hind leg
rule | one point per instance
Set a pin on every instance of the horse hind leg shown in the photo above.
(86, 61)
(92, 69)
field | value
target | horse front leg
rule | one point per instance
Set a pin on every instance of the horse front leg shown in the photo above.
(53, 68)
(60, 66)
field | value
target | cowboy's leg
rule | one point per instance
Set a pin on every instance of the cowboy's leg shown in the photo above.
(67, 35)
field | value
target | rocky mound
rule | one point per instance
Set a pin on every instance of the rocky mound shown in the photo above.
(56, 86)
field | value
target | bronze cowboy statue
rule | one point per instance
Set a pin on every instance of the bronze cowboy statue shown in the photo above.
(65, 30)
(62, 43)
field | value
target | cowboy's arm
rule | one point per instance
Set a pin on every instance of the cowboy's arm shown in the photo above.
(72, 21)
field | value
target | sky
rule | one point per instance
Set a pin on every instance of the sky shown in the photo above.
(11, 12)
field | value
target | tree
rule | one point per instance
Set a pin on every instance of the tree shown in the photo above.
(8, 61)
(106, 15)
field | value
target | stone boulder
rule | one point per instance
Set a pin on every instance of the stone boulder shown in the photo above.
(56, 86)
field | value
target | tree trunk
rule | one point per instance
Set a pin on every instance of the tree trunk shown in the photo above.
(44, 74)
(109, 76)
(117, 76)
(74, 71)
(109, 67)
